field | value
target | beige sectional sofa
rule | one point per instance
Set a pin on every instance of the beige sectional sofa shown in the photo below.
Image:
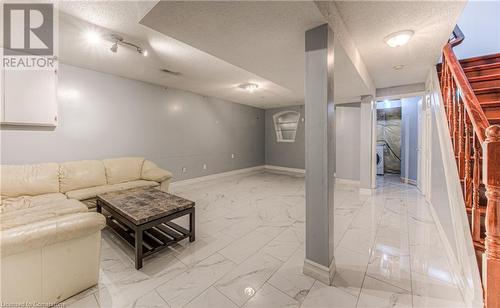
(49, 240)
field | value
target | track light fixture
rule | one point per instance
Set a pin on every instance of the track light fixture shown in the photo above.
(118, 40)
(114, 47)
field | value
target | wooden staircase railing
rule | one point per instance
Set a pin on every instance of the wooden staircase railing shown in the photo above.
(476, 145)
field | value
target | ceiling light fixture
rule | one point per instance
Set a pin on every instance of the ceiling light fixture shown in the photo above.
(118, 40)
(398, 67)
(399, 38)
(114, 47)
(250, 87)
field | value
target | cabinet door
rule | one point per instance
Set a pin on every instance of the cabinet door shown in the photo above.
(30, 97)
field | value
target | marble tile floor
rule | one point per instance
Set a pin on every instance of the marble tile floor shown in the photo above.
(249, 252)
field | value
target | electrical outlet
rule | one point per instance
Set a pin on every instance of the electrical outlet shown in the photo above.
(204, 166)
(184, 169)
(232, 155)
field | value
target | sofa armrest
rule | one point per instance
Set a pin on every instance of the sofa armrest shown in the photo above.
(151, 172)
(164, 185)
(50, 231)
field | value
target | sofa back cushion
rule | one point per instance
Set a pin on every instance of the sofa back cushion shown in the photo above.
(81, 174)
(124, 169)
(29, 180)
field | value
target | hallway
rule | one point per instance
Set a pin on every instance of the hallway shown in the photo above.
(389, 252)
(250, 252)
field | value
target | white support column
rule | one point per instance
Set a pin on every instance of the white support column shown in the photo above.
(320, 154)
(368, 130)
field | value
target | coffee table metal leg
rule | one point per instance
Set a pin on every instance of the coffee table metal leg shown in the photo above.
(191, 226)
(138, 248)
(98, 208)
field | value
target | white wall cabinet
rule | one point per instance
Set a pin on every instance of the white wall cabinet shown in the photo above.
(29, 97)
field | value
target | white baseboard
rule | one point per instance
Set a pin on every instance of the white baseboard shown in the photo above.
(216, 176)
(409, 181)
(366, 191)
(319, 272)
(285, 170)
(346, 182)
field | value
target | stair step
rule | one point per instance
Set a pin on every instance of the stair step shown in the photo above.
(487, 94)
(485, 84)
(492, 113)
(481, 67)
(485, 77)
(494, 121)
(490, 104)
(488, 59)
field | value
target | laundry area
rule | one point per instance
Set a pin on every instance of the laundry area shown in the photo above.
(398, 138)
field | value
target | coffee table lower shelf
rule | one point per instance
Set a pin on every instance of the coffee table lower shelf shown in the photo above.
(154, 239)
(150, 237)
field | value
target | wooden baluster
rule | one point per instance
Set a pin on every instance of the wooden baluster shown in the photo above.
(476, 182)
(445, 91)
(442, 78)
(454, 132)
(467, 158)
(461, 143)
(449, 101)
(444, 87)
(491, 161)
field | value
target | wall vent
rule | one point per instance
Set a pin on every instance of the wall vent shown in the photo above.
(170, 72)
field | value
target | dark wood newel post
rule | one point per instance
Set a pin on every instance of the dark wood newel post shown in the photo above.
(491, 177)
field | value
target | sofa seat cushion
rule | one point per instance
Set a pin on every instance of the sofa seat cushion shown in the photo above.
(88, 193)
(124, 169)
(29, 180)
(41, 212)
(75, 175)
(49, 231)
(24, 202)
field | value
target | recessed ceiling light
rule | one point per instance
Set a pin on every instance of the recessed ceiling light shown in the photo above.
(250, 87)
(399, 38)
(145, 53)
(93, 37)
(398, 67)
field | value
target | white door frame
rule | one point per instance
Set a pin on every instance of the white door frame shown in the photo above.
(425, 98)
(424, 169)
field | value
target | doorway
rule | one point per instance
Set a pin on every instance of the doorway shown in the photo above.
(397, 147)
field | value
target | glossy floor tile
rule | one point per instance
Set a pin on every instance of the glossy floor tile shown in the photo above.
(249, 252)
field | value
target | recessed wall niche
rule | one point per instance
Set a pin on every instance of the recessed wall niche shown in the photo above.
(285, 125)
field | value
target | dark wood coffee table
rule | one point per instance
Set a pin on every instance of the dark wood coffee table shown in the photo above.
(142, 217)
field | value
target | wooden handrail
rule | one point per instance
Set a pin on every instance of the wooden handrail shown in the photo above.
(476, 114)
(458, 36)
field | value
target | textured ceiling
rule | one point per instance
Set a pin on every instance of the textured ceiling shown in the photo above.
(218, 45)
(264, 37)
(200, 72)
(368, 22)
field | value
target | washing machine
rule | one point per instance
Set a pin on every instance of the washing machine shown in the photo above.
(380, 159)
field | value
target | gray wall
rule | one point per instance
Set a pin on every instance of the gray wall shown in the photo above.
(409, 138)
(348, 141)
(480, 23)
(102, 116)
(285, 154)
(347, 136)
